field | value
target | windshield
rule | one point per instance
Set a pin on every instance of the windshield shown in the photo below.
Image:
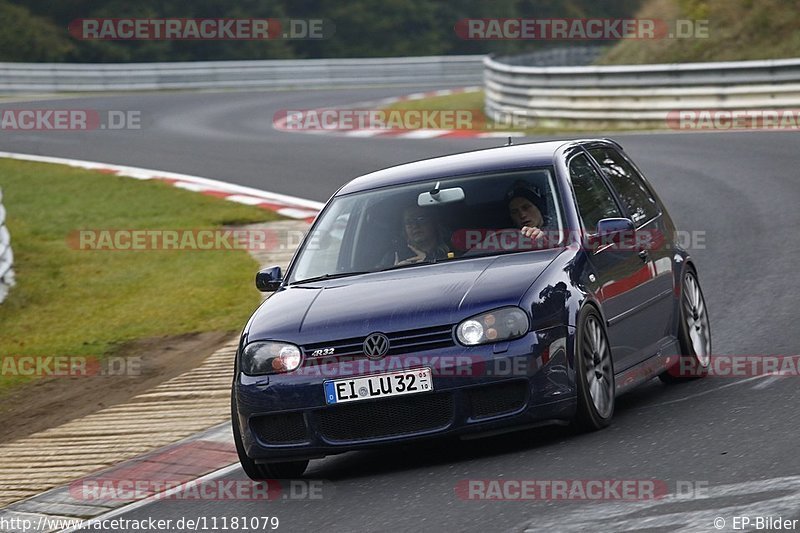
(426, 222)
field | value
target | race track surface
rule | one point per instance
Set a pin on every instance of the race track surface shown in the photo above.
(737, 435)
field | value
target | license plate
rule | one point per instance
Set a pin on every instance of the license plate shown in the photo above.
(378, 386)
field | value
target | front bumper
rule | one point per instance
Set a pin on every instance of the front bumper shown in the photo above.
(479, 389)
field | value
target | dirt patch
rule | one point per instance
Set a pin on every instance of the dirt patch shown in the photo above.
(50, 402)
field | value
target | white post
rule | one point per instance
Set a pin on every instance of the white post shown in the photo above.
(6, 255)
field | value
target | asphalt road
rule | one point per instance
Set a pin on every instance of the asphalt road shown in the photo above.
(737, 437)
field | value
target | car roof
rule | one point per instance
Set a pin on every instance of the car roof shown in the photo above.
(525, 155)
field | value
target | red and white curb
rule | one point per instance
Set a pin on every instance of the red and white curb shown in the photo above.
(421, 133)
(284, 205)
(184, 464)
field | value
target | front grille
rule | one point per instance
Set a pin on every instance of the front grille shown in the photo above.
(386, 418)
(283, 428)
(493, 400)
(400, 342)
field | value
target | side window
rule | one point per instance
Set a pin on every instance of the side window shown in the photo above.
(595, 201)
(629, 184)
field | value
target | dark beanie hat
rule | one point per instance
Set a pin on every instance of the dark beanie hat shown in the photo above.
(524, 190)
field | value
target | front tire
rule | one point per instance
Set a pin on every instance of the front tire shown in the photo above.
(262, 472)
(694, 334)
(594, 369)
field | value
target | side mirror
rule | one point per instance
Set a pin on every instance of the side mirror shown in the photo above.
(269, 279)
(612, 231)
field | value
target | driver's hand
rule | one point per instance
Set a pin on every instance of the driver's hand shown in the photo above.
(532, 232)
(419, 257)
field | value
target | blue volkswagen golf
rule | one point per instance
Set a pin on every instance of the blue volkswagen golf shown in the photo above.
(475, 293)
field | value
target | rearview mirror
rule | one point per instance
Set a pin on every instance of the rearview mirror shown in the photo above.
(440, 196)
(269, 279)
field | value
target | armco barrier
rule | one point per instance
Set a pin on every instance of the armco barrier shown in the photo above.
(636, 95)
(6, 255)
(307, 73)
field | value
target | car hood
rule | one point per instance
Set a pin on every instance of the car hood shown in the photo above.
(397, 300)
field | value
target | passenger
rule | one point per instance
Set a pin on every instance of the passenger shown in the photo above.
(525, 207)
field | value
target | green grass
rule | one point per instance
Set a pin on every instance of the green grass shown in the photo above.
(471, 101)
(474, 101)
(738, 30)
(79, 302)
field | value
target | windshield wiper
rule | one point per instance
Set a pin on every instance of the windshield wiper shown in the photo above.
(326, 277)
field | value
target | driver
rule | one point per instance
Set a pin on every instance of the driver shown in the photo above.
(424, 241)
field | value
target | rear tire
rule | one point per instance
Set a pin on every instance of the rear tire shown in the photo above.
(594, 372)
(694, 334)
(262, 472)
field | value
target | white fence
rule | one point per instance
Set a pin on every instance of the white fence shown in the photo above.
(6, 255)
(64, 77)
(636, 95)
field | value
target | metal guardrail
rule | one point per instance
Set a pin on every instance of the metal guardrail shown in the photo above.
(636, 95)
(6, 255)
(560, 56)
(62, 77)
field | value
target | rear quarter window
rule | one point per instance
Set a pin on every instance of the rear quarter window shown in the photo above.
(594, 199)
(630, 186)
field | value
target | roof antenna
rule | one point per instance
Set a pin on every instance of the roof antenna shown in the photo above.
(436, 188)
(510, 142)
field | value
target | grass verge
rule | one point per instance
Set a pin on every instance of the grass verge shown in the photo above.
(70, 302)
(738, 30)
(474, 102)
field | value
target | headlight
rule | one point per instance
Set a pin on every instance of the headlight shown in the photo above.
(259, 358)
(495, 326)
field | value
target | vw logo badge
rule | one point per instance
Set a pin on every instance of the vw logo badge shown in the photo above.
(376, 345)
